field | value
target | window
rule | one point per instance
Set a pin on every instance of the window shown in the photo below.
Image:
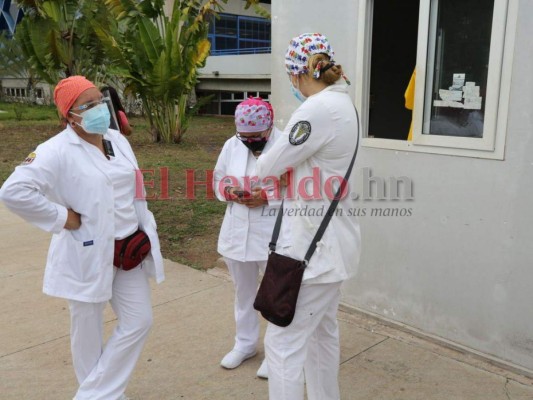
(461, 85)
(224, 103)
(238, 34)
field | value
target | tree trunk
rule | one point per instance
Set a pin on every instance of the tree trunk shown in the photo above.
(156, 135)
(31, 90)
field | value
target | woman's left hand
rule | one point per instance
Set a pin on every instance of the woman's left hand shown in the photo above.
(257, 199)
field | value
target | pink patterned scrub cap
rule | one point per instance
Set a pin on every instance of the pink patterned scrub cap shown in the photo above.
(253, 115)
(301, 48)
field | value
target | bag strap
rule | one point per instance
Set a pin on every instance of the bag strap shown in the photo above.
(331, 210)
(277, 226)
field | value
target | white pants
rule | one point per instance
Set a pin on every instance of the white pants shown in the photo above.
(103, 372)
(244, 275)
(310, 343)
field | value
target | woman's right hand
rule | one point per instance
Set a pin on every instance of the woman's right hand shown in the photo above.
(73, 220)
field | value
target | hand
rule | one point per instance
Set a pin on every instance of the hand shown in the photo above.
(285, 179)
(257, 199)
(229, 193)
(73, 220)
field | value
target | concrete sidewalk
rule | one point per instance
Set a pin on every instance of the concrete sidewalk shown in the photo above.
(194, 328)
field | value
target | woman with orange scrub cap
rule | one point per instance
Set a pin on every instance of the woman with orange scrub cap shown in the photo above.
(81, 185)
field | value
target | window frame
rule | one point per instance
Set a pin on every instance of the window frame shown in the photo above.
(212, 36)
(492, 145)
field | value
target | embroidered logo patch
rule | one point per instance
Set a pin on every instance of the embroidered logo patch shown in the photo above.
(300, 133)
(29, 159)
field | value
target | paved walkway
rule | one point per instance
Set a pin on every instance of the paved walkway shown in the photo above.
(193, 329)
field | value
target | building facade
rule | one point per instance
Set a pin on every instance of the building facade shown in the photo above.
(450, 259)
(239, 64)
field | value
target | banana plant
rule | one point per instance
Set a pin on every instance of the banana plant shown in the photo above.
(259, 10)
(58, 40)
(157, 56)
(15, 64)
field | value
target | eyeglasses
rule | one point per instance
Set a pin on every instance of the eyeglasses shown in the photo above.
(91, 104)
(254, 138)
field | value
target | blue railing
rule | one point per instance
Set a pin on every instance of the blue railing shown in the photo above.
(255, 50)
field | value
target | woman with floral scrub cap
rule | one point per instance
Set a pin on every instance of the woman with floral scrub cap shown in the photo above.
(80, 185)
(321, 135)
(247, 224)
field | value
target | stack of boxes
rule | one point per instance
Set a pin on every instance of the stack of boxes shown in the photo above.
(460, 95)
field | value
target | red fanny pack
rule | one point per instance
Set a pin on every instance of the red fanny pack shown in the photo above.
(130, 251)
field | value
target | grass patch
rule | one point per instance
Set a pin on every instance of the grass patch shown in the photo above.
(188, 229)
(26, 112)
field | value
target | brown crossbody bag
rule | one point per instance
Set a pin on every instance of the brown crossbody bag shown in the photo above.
(278, 292)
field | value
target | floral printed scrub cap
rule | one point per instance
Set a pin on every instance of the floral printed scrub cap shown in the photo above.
(253, 115)
(301, 48)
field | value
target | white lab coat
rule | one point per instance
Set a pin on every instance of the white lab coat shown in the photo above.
(329, 147)
(245, 232)
(63, 175)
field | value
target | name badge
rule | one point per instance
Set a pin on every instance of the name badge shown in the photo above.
(88, 243)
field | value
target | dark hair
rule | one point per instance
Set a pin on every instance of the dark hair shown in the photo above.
(115, 99)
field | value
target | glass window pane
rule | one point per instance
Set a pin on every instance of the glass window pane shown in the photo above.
(458, 58)
(223, 43)
(256, 44)
(226, 96)
(226, 25)
(238, 96)
(228, 108)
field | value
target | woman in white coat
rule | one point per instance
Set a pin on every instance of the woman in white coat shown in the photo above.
(319, 142)
(247, 226)
(82, 186)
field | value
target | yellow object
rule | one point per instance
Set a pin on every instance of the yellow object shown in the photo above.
(410, 101)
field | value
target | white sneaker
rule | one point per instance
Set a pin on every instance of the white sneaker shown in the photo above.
(235, 358)
(262, 372)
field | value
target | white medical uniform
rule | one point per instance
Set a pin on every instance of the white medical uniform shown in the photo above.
(67, 172)
(244, 235)
(324, 135)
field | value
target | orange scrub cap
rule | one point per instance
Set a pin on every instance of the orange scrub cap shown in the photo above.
(68, 90)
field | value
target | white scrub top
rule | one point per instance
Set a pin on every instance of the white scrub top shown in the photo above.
(61, 174)
(245, 232)
(318, 144)
(121, 172)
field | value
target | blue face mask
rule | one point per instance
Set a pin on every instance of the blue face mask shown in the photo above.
(95, 120)
(296, 93)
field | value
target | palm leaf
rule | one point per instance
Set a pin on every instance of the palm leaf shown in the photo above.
(150, 38)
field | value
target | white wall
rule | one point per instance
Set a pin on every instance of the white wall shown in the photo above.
(461, 266)
(232, 7)
(255, 68)
(237, 7)
(292, 18)
(246, 66)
